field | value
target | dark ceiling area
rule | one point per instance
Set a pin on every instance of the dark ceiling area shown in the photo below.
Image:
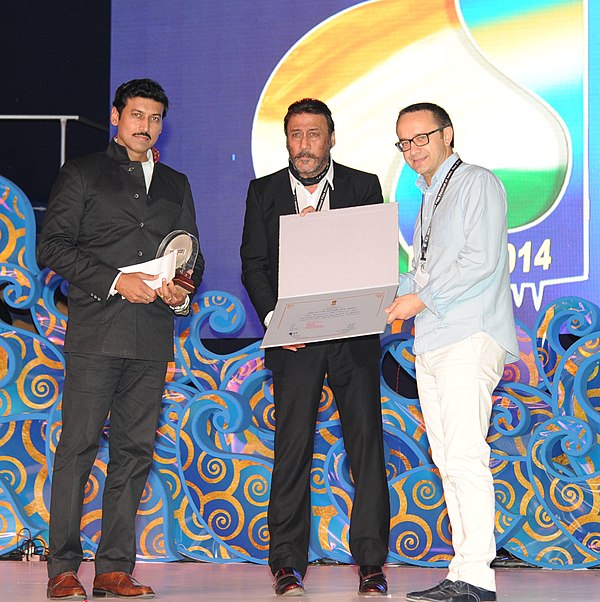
(56, 61)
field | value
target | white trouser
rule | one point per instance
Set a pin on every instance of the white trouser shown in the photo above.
(455, 386)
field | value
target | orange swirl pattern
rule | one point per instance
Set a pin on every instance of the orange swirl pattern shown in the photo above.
(209, 485)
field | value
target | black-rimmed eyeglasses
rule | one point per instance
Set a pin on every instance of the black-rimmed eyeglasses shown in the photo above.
(418, 140)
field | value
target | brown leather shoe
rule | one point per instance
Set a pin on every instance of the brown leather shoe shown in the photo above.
(65, 586)
(120, 585)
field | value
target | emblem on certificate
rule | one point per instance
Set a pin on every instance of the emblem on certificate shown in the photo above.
(185, 246)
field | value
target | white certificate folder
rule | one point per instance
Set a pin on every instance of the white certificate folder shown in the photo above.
(338, 271)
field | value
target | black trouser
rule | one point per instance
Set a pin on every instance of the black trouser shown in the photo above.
(131, 390)
(297, 392)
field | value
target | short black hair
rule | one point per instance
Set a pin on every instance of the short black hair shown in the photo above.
(440, 115)
(309, 105)
(142, 88)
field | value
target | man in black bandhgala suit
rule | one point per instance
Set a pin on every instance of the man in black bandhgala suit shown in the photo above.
(109, 210)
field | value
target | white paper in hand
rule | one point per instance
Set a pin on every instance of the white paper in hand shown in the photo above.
(163, 267)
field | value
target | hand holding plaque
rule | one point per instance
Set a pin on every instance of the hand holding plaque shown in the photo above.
(185, 246)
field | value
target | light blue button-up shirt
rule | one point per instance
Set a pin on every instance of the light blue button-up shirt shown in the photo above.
(468, 290)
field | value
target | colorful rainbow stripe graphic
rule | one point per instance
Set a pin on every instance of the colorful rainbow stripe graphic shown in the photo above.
(509, 73)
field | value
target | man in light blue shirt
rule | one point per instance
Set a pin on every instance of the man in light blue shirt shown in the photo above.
(458, 291)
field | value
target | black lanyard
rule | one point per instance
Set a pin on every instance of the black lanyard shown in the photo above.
(438, 198)
(324, 192)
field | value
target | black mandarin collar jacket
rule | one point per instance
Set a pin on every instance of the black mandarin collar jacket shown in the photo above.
(101, 218)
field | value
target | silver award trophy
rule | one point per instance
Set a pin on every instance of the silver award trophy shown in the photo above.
(186, 247)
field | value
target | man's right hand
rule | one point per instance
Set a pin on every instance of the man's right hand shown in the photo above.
(133, 288)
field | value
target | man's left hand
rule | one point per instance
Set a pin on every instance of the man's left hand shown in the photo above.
(170, 294)
(295, 347)
(404, 307)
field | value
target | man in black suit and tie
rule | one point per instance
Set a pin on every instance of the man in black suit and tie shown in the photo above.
(313, 182)
(109, 210)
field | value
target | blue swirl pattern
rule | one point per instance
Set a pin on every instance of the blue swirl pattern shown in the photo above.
(207, 494)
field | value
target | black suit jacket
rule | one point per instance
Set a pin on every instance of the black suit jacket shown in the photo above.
(100, 218)
(269, 198)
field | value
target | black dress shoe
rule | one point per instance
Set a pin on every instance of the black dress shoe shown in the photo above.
(288, 582)
(465, 592)
(372, 581)
(437, 593)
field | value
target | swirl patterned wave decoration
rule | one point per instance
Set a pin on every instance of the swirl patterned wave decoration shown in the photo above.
(207, 495)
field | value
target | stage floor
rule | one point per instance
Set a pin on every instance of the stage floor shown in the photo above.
(187, 582)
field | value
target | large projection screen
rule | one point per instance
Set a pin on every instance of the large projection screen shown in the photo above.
(516, 77)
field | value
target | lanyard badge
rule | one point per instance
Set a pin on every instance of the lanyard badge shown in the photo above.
(421, 276)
